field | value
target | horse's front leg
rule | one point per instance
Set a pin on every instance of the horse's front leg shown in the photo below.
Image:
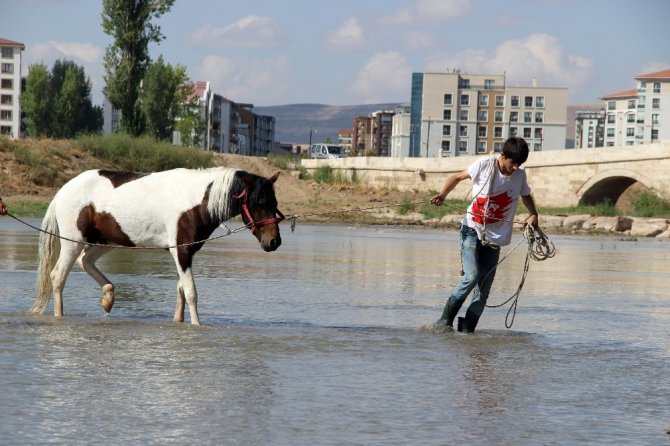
(68, 255)
(188, 293)
(87, 261)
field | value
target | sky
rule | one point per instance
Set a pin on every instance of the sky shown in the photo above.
(349, 52)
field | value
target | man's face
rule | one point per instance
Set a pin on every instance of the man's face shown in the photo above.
(507, 167)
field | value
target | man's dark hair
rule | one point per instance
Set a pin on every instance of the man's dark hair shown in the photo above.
(516, 149)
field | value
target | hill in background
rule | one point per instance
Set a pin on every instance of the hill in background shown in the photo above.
(294, 121)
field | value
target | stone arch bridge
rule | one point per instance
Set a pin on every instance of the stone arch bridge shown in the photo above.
(558, 177)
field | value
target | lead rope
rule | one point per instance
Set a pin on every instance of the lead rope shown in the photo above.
(540, 248)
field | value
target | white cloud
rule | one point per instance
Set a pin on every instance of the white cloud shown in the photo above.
(249, 31)
(418, 39)
(442, 9)
(540, 56)
(384, 78)
(259, 81)
(348, 36)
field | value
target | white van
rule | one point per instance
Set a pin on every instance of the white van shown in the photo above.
(327, 151)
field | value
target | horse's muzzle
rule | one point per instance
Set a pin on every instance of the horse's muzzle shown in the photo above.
(273, 245)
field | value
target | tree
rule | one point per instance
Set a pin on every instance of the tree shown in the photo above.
(36, 101)
(191, 123)
(162, 97)
(126, 60)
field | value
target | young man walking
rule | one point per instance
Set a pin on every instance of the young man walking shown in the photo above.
(497, 184)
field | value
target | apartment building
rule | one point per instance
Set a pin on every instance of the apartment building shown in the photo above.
(640, 115)
(372, 134)
(345, 138)
(400, 132)
(454, 114)
(10, 88)
(589, 129)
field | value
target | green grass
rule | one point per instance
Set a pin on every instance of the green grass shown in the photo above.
(144, 154)
(25, 208)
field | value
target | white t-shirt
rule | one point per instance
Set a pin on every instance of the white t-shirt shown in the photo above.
(502, 206)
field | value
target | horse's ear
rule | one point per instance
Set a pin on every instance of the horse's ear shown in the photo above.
(274, 177)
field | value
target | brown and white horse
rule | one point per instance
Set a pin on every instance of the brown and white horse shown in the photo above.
(170, 209)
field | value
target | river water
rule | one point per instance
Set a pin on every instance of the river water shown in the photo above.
(320, 343)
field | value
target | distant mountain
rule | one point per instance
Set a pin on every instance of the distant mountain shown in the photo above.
(294, 121)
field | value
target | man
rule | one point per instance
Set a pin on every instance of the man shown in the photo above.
(497, 184)
(3, 208)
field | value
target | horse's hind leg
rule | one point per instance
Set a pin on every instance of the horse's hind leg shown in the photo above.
(87, 260)
(68, 254)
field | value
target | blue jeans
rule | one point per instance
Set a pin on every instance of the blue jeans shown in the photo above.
(479, 267)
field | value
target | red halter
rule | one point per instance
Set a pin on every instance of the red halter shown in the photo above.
(256, 224)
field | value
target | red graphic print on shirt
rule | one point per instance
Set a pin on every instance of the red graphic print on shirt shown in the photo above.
(497, 208)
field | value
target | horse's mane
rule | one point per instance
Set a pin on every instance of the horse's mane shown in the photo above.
(220, 204)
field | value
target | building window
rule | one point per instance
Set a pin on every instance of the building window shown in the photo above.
(630, 117)
(497, 132)
(447, 99)
(465, 99)
(463, 130)
(481, 131)
(630, 131)
(539, 101)
(7, 83)
(481, 146)
(462, 146)
(610, 118)
(446, 115)
(464, 115)
(5, 130)
(527, 131)
(483, 115)
(539, 116)
(657, 87)
(6, 115)
(654, 135)
(6, 99)
(656, 103)
(446, 147)
(8, 68)
(515, 101)
(528, 101)
(631, 103)
(497, 147)
(527, 116)
(537, 147)
(611, 105)
(464, 83)
(513, 131)
(514, 116)
(7, 52)
(446, 130)
(610, 133)
(538, 133)
(489, 84)
(500, 101)
(484, 100)
(498, 116)
(655, 119)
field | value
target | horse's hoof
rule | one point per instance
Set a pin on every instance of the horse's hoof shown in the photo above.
(107, 300)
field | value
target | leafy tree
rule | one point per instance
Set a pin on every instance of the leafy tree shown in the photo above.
(162, 97)
(191, 123)
(127, 59)
(36, 101)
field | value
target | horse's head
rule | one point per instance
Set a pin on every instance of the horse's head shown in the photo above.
(259, 210)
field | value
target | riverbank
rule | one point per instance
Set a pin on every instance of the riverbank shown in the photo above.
(31, 171)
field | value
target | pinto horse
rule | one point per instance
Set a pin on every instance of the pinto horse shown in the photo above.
(176, 210)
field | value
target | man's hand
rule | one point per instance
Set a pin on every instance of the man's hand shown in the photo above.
(437, 199)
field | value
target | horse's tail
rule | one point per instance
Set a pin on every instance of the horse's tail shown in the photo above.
(49, 250)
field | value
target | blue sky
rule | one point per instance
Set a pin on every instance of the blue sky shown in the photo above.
(345, 52)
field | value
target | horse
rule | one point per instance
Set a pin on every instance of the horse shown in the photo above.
(175, 209)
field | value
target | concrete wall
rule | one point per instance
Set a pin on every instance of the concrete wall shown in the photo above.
(558, 177)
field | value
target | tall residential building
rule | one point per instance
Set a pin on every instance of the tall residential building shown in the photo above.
(344, 138)
(10, 88)
(456, 114)
(372, 134)
(589, 129)
(400, 132)
(640, 115)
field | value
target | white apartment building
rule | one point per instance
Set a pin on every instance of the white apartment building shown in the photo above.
(456, 114)
(589, 129)
(400, 132)
(10, 88)
(640, 115)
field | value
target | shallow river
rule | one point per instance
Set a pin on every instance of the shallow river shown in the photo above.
(320, 343)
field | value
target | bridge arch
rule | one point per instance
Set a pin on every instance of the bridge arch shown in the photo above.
(609, 185)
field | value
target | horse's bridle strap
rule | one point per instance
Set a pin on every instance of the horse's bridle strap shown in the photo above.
(257, 224)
